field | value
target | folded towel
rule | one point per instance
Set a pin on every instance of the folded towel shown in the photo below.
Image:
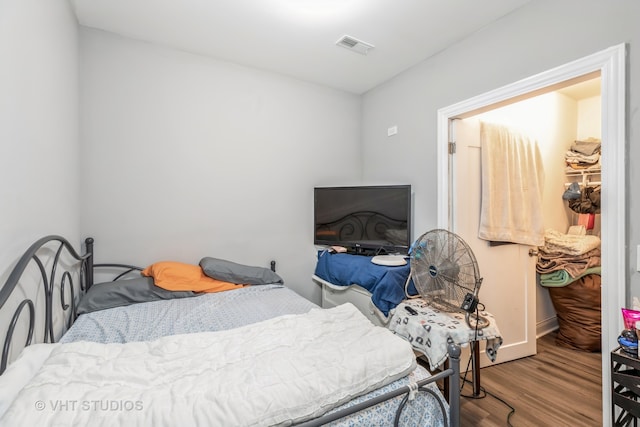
(561, 278)
(591, 167)
(588, 147)
(571, 244)
(574, 265)
(580, 159)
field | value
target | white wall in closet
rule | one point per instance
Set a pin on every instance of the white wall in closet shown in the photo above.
(185, 156)
(589, 112)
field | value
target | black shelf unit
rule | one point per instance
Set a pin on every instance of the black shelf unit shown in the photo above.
(625, 388)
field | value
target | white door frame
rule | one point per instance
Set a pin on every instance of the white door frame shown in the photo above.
(610, 63)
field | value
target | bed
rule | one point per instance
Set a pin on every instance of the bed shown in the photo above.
(252, 355)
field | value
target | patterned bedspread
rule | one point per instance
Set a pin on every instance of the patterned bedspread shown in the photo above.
(209, 312)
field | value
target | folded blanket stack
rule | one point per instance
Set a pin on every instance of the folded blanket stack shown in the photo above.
(566, 258)
(584, 155)
(569, 267)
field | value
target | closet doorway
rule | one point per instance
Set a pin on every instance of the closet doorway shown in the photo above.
(609, 65)
(555, 120)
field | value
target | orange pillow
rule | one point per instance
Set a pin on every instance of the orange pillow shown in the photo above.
(177, 276)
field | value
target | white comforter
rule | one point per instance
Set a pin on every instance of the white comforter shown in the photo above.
(283, 370)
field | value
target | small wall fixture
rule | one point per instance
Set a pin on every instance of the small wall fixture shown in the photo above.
(354, 44)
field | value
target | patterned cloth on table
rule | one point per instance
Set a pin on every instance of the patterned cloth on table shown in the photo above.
(430, 330)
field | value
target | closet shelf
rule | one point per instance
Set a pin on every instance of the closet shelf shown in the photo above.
(585, 175)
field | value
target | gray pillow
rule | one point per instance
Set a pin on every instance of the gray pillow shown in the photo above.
(228, 271)
(125, 292)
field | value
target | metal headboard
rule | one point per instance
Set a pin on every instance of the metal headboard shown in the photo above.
(52, 271)
(48, 279)
(91, 267)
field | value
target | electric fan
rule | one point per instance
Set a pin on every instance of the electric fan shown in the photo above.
(446, 274)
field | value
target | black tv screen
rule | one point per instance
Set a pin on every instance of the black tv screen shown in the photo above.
(364, 219)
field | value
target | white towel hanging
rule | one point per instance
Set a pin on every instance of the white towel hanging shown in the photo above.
(512, 181)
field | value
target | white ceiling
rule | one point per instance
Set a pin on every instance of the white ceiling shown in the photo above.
(297, 37)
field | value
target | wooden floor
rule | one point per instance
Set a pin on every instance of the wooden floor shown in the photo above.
(556, 387)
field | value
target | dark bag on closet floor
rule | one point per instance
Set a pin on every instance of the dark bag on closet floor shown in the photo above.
(578, 311)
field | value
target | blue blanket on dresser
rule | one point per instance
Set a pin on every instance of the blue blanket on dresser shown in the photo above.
(386, 284)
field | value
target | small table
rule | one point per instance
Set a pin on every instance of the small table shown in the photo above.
(429, 330)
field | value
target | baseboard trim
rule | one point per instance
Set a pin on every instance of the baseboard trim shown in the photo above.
(546, 326)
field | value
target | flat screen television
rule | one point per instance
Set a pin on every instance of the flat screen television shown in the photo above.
(364, 219)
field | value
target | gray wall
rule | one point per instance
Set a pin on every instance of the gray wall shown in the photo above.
(542, 35)
(39, 190)
(184, 156)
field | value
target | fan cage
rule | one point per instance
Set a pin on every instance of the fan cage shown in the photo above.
(444, 270)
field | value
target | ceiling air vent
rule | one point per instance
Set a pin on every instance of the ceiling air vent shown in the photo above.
(354, 44)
